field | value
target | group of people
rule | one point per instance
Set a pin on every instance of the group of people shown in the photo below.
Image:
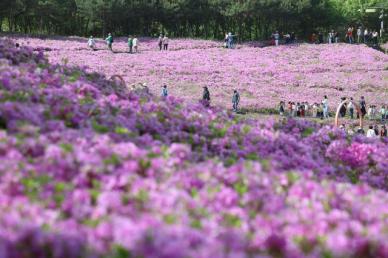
(206, 97)
(363, 36)
(163, 42)
(321, 110)
(133, 43)
(288, 38)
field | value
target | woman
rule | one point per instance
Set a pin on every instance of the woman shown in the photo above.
(92, 43)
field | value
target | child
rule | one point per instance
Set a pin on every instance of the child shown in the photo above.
(92, 43)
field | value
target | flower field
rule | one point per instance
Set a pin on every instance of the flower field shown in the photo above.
(90, 169)
(264, 76)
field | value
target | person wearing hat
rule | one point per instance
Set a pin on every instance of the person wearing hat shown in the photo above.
(206, 96)
(92, 43)
(164, 91)
(109, 41)
(235, 100)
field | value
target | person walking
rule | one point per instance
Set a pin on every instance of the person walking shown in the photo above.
(230, 40)
(130, 44)
(92, 43)
(235, 100)
(363, 106)
(135, 43)
(206, 96)
(351, 108)
(165, 42)
(343, 107)
(109, 41)
(325, 104)
(160, 41)
(164, 91)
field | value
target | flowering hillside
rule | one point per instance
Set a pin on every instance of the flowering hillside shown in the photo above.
(264, 76)
(90, 169)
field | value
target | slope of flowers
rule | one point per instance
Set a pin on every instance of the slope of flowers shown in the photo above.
(90, 169)
(263, 75)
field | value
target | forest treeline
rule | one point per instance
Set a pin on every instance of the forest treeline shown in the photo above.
(249, 19)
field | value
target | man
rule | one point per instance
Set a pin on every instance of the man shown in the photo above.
(109, 41)
(206, 96)
(160, 41)
(235, 100)
(164, 91)
(165, 42)
(92, 43)
(230, 40)
(130, 44)
(276, 37)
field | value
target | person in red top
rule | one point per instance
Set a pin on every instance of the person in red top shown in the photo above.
(349, 35)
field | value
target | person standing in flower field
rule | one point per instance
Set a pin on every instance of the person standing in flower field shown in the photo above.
(383, 132)
(135, 44)
(331, 37)
(109, 41)
(382, 112)
(165, 42)
(325, 104)
(276, 37)
(235, 100)
(351, 108)
(363, 106)
(359, 35)
(206, 96)
(164, 91)
(371, 132)
(130, 44)
(230, 40)
(92, 43)
(160, 42)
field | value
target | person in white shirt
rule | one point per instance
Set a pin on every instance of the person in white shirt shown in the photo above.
(92, 43)
(371, 132)
(366, 35)
(325, 104)
(135, 42)
(165, 42)
(359, 34)
(276, 37)
(350, 108)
